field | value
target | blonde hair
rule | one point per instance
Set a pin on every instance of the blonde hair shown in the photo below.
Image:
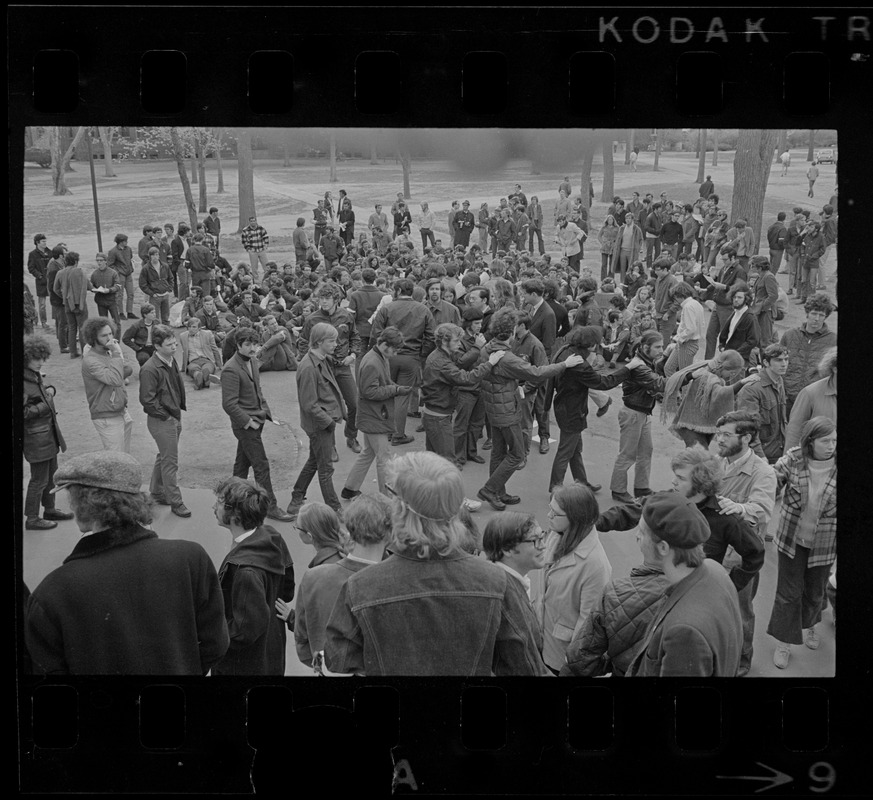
(322, 524)
(428, 495)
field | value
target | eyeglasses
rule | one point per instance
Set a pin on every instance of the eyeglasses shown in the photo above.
(553, 513)
(538, 542)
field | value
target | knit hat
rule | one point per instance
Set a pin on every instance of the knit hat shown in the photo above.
(675, 519)
(105, 469)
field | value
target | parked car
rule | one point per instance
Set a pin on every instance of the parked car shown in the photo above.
(826, 155)
(38, 155)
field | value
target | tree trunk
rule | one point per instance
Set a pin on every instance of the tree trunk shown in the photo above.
(246, 178)
(333, 177)
(608, 191)
(179, 157)
(28, 137)
(219, 135)
(374, 156)
(632, 137)
(751, 173)
(809, 152)
(697, 148)
(585, 177)
(286, 159)
(659, 143)
(628, 146)
(61, 162)
(201, 170)
(405, 162)
(715, 147)
(701, 162)
(106, 141)
(132, 133)
(194, 169)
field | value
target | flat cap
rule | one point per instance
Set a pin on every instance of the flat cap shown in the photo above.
(105, 469)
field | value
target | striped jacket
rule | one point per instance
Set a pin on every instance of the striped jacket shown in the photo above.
(792, 469)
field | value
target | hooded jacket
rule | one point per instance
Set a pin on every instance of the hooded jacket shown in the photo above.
(253, 574)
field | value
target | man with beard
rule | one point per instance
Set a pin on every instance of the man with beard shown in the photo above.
(740, 332)
(441, 310)
(749, 492)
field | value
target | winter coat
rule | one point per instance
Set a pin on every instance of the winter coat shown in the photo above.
(499, 387)
(126, 602)
(762, 397)
(155, 281)
(441, 379)
(617, 624)
(42, 436)
(805, 351)
(256, 572)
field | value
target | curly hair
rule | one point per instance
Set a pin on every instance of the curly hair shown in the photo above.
(93, 326)
(104, 508)
(244, 501)
(161, 334)
(706, 475)
(36, 348)
(503, 323)
(819, 302)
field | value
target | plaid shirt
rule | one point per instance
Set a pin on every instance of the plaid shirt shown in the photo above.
(793, 470)
(255, 239)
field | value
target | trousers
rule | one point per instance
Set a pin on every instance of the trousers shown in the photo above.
(569, 453)
(377, 446)
(746, 596)
(681, 357)
(469, 421)
(507, 455)
(634, 450)
(320, 448)
(39, 488)
(405, 371)
(250, 453)
(166, 433)
(346, 382)
(114, 432)
(799, 597)
(438, 435)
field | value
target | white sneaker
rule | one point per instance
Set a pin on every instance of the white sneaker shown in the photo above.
(782, 654)
(472, 505)
(810, 639)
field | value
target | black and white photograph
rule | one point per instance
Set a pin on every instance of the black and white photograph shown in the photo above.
(484, 401)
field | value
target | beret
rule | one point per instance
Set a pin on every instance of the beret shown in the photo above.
(675, 519)
(105, 469)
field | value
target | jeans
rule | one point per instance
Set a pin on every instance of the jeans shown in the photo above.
(794, 273)
(427, 236)
(438, 437)
(810, 281)
(717, 320)
(126, 282)
(405, 371)
(799, 596)
(469, 421)
(376, 446)
(59, 315)
(539, 234)
(39, 488)
(277, 358)
(250, 453)
(110, 311)
(667, 327)
(184, 280)
(634, 450)
(40, 304)
(681, 357)
(166, 433)
(162, 308)
(507, 455)
(204, 281)
(746, 596)
(605, 262)
(75, 321)
(115, 431)
(320, 448)
(823, 264)
(346, 382)
(775, 260)
(569, 452)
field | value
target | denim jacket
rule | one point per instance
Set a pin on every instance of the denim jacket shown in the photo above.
(445, 615)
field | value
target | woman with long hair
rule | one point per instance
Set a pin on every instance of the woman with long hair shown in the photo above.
(319, 526)
(576, 571)
(701, 393)
(636, 278)
(346, 221)
(502, 294)
(606, 237)
(806, 539)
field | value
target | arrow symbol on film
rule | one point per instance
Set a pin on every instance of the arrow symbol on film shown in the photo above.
(776, 778)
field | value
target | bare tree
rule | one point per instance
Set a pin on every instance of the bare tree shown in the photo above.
(751, 173)
(701, 155)
(608, 190)
(406, 163)
(245, 166)
(715, 147)
(585, 178)
(659, 143)
(333, 177)
(218, 133)
(105, 135)
(809, 153)
(61, 162)
(193, 167)
(179, 157)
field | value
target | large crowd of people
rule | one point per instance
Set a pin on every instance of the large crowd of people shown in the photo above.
(488, 344)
